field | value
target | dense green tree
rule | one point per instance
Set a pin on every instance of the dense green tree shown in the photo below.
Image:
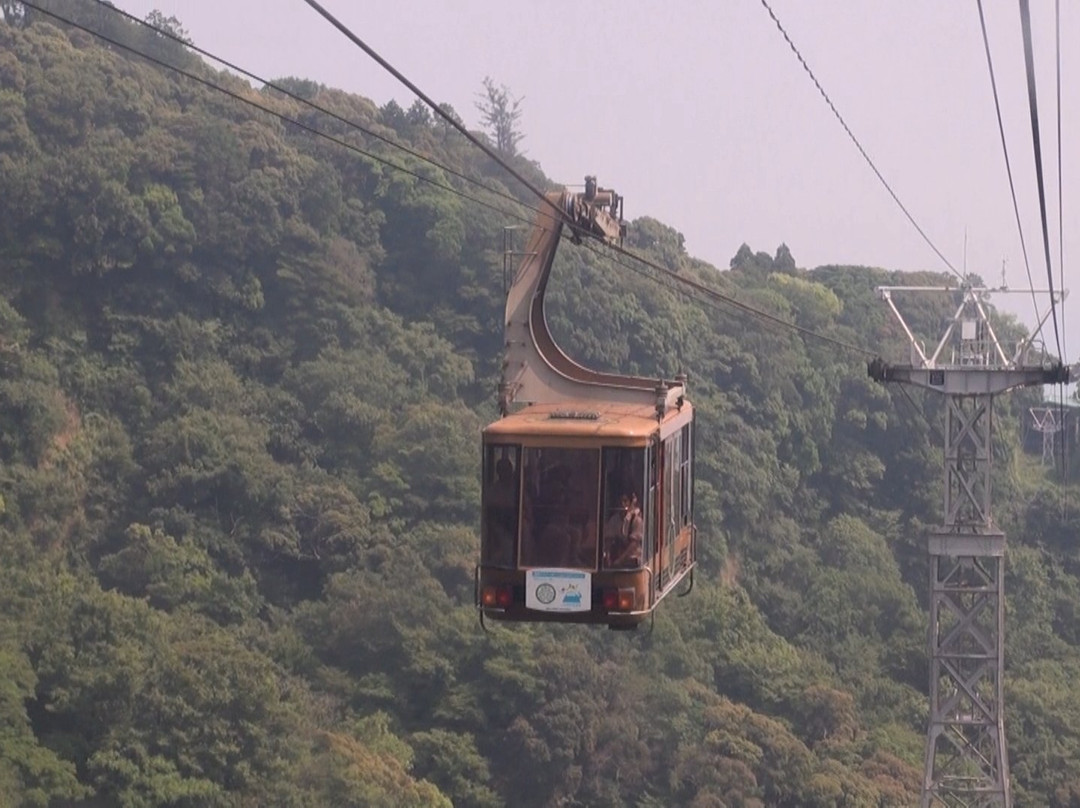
(242, 378)
(500, 113)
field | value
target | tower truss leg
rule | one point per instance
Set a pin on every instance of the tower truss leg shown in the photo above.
(966, 757)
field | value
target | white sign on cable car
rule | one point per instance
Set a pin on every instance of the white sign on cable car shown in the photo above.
(553, 590)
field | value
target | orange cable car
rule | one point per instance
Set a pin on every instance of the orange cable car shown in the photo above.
(587, 506)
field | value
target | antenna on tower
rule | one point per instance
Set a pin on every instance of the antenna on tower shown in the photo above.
(965, 251)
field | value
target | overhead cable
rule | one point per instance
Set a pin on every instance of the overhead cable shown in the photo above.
(1008, 164)
(732, 303)
(279, 115)
(855, 140)
(1061, 192)
(436, 108)
(1061, 254)
(702, 289)
(311, 104)
(559, 212)
(1029, 62)
(939, 439)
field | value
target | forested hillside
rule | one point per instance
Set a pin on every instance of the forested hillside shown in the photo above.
(243, 372)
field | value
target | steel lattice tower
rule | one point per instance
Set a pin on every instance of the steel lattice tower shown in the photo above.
(967, 763)
(1046, 422)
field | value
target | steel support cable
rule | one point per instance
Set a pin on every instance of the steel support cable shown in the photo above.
(536, 191)
(733, 303)
(937, 436)
(312, 105)
(750, 310)
(540, 194)
(1061, 219)
(438, 110)
(855, 140)
(696, 299)
(279, 115)
(686, 294)
(1008, 164)
(1029, 62)
(689, 294)
(1061, 259)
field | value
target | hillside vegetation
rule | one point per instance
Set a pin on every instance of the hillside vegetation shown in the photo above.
(243, 372)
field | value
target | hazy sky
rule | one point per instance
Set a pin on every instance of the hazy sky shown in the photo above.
(700, 115)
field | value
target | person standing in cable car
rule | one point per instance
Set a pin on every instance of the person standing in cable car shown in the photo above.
(624, 533)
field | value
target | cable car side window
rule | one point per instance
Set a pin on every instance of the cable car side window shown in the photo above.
(672, 490)
(502, 487)
(686, 480)
(624, 520)
(559, 507)
(652, 498)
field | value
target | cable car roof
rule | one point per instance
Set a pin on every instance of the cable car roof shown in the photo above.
(584, 419)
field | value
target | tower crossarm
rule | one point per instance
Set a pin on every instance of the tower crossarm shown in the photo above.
(1045, 419)
(969, 337)
(972, 380)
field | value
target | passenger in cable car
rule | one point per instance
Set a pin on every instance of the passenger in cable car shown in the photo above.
(624, 533)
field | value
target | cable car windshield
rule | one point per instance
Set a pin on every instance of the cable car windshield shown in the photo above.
(560, 500)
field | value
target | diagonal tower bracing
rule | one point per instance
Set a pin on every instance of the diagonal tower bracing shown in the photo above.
(966, 763)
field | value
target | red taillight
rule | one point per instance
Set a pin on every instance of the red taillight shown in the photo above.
(497, 596)
(618, 600)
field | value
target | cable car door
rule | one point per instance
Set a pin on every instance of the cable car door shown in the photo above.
(653, 515)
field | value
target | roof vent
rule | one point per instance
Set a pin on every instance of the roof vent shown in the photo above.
(574, 415)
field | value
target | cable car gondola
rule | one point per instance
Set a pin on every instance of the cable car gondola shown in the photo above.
(587, 505)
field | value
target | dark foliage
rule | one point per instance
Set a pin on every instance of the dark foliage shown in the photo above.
(242, 377)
